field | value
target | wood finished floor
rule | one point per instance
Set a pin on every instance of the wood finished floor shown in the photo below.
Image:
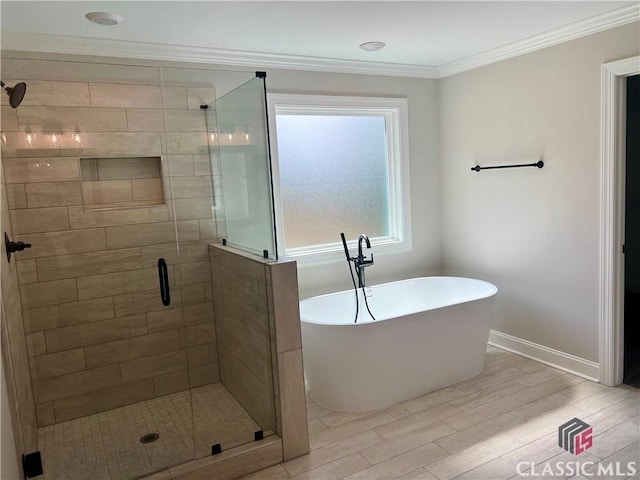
(481, 428)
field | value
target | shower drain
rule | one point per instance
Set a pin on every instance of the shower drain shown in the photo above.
(149, 438)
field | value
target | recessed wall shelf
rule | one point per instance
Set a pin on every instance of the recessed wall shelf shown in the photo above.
(121, 182)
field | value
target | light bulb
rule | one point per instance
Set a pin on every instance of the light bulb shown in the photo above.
(29, 137)
(76, 136)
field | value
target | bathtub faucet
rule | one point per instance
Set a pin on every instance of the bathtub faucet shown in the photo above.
(361, 261)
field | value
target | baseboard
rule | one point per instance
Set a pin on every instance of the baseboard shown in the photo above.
(554, 358)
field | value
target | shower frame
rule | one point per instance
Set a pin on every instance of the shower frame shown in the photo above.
(15, 353)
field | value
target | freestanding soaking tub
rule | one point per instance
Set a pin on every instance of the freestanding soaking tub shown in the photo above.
(429, 332)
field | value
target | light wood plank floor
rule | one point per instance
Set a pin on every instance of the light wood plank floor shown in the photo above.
(500, 424)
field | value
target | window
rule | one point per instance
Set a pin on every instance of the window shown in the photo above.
(340, 165)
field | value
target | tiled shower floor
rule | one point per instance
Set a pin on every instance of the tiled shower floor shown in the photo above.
(106, 446)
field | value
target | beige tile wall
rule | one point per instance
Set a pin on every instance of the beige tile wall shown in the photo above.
(242, 327)
(15, 347)
(286, 348)
(257, 300)
(95, 331)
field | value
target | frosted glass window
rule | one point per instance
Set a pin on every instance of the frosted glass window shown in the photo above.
(340, 165)
(333, 177)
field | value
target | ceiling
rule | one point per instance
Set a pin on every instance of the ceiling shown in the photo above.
(423, 38)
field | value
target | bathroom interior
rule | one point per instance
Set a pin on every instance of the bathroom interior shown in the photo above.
(119, 365)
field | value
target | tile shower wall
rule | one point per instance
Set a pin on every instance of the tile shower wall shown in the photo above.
(97, 334)
(242, 315)
(14, 348)
(257, 299)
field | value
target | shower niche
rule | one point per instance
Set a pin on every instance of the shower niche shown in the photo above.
(121, 182)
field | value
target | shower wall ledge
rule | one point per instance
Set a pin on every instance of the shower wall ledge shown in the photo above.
(228, 465)
(274, 288)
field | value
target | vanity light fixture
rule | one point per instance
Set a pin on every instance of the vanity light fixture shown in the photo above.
(29, 137)
(54, 139)
(77, 136)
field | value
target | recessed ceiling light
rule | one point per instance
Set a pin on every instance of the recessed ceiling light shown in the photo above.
(104, 18)
(372, 46)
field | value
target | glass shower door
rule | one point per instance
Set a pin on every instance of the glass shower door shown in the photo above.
(222, 416)
(243, 206)
(107, 358)
(114, 308)
(237, 127)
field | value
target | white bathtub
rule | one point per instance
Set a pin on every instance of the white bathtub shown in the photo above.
(429, 332)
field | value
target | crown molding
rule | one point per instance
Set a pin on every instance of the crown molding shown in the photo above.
(59, 44)
(614, 18)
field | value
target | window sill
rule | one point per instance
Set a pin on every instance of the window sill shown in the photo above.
(334, 253)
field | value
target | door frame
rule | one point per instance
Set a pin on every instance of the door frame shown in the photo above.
(612, 177)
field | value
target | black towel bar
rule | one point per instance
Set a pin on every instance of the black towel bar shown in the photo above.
(538, 164)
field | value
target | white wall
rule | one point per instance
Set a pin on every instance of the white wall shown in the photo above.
(534, 233)
(425, 258)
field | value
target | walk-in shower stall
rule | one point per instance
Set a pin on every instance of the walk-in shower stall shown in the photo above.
(119, 177)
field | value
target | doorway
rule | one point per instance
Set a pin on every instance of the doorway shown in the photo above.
(632, 236)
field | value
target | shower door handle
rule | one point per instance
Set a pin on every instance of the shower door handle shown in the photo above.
(163, 276)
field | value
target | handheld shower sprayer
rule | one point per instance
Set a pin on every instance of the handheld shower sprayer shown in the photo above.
(346, 249)
(359, 262)
(353, 279)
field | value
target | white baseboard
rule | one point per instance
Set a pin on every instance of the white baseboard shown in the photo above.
(554, 358)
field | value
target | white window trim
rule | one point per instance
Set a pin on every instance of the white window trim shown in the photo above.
(395, 111)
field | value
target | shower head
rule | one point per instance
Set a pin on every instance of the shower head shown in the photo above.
(16, 94)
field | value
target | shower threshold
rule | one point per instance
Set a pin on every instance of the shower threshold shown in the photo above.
(107, 446)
